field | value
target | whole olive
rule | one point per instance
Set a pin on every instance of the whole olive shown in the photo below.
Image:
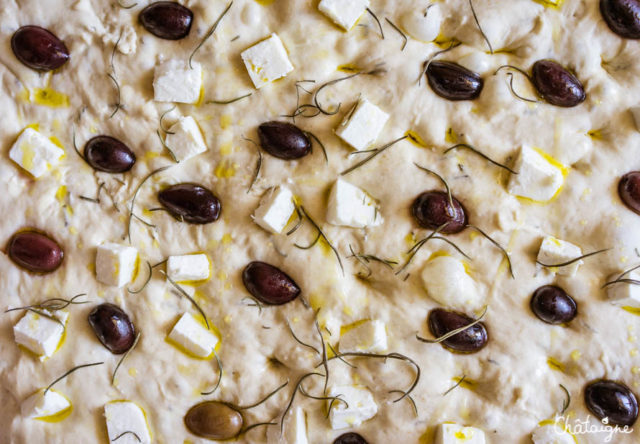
(553, 305)
(453, 82)
(108, 154)
(629, 190)
(611, 400)
(471, 340)
(350, 438)
(432, 209)
(556, 85)
(35, 251)
(39, 48)
(622, 17)
(269, 284)
(190, 202)
(284, 140)
(113, 327)
(167, 20)
(213, 420)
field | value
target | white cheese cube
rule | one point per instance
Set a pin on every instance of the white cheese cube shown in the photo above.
(175, 81)
(350, 206)
(267, 61)
(635, 112)
(623, 293)
(115, 264)
(42, 406)
(457, 434)
(448, 283)
(193, 337)
(537, 178)
(551, 434)
(40, 334)
(369, 336)
(295, 429)
(35, 153)
(362, 126)
(423, 25)
(555, 251)
(188, 267)
(361, 407)
(126, 416)
(344, 13)
(184, 139)
(275, 209)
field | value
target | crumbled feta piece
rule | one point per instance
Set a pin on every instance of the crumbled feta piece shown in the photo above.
(350, 206)
(126, 416)
(40, 334)
(115, 264)
(35, 153)
(175, 81)
(362, 126)
(188, 267)
(551, 434)
(635, 112)
(184, 139)
(369, 336)
(447, 282)
(625, 294)
(537, 178)
(267, 61)
(361, 406)
(556, 251)
(457, 434)
(275, 209)
(41, 405)
(423, 25)
(344, 13)
(193, 337)
(295, 429)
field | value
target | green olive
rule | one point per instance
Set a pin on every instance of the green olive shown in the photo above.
(214, 420)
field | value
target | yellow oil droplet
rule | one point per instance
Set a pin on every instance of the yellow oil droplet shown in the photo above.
(50, 97)
(595, 134)
(556, 4)
(226, 149)
(225, 121)
(133, 372)
(465, 383)
(349, 327)
(554, 364)
(227, 239)
(632, 310)
(225, 170)
(633, 352)
(265, 2)
(61, 194)
(575, 355)
(635, 370)
(451, 136)
(227, 319)
(349, 68)
(415, 139)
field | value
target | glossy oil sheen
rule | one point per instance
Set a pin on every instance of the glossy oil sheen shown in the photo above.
(35, 251)
(622, 17)
(39, 48)
(191, 202)
(269, 284)
(432, 209)
(553, 305)
(213, 420)
(108, 154)
(167, 20)
(470, 340)
(612, 400)
(284, 140)
(112, 327)
(556, 84)
(629, 190)
(453, 82)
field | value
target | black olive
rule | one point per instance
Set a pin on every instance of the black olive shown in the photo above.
(113, 327)
(38, 48)
(284, 140)
(350, 438)
(556, 85)
(611, 400)
(269, 284)
(167, 20)
(108, 154)
(471, 340)
(622, 17)
(629, 190)
(553, 305)
(453, 82)
(214, 420)
(35, 252)
(191, 203)
(432, 209)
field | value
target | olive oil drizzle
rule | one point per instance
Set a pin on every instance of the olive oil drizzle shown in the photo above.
(377, 21)
(399, 31)
(186, 295)
(68, 372)
(374, 153)
(210, 392)
(453, 332)
(481, 154)
(128, 432)
(145, 282)
(500, 247)
(135, 342)
(573, 260)
(209, 33)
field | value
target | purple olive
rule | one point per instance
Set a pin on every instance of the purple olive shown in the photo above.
(113, 327)
(453, 82)
(35, 252)
(284, 140)
(553, 305)
(190, 202)
(108, 154)
(350, 438)
(622, 17)
(167, 20)
(611, 400)
(471, 340)
(214, 420)
(556, 85)
(269, 284)
(38, 48)
(629, 190)
(432, 209)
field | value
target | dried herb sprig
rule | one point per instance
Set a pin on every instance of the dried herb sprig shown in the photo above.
(128, 432)
(411, 400)
(573, 260)
(299, 341)
(481, 154)
(53, 304)
(377, 21)
(324, 150)
(166, 131)
(566, 401)
(311, 245)
(446, 186)
(97, 198)
(336, 354)
(453, 332)
(324, 398)
(228, 101)
(373, 153)
(513, 90)
(253, 303)
(399, 31)
(118, 105)
(365, 259)
(524, 73)
(475, 18)
(305, 215)
(418, 245)
(186, 295)
(126, 7)
(456, 385)
(164, 144)
(210, 392)
(263, 400)
(145, 282)
(135, 194)
(325, 360)
(452, 45)
(209, 33)
(256, 172)
(298, 222)
(67, 373)
(293, 397)
(500, 247)
(620, 279)
(135, 342)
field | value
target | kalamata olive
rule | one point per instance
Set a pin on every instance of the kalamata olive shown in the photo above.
(350, 438)
(35, 252)
(284, 140)
(622, 17)
(38, 48)
(432, 209)
(108, 154)
(269, 284)
(553, 305)
(213, 420)
(453, 82)
(629, 190)
(611, 400)
(113, 327)
(191, 203)
(471, 340)
(167, 20)
(556, 85)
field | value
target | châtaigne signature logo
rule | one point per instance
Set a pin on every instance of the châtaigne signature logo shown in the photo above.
(584, 427)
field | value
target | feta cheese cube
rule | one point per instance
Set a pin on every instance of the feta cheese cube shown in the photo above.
(457, 434)
(193, 337)
(184, 139)
(635, 112)
(40, 334)
(126, 416)
(295, 429)
(350, 206)
(344, 13)
(42, 406)
(551, 434)
(447, 282)
(175, 81)
(115, 264)
(361, 406)
(35, 153)
(556, 251)
(368, 336)
(537, 178)
(267, 61)
(188, 267)
(275, 209)
(423, 25)
(625, 294)
(362, 126)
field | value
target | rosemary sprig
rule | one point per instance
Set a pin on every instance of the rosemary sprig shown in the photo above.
(128, 432)
(253, 303)
(135, 194)
(67, 373)
(298, 222)
(484, 36)
(324, 398)
(481, 154)
(47, 315)
(620, 279)
(413, 403)
(450, 210)
(164, 144)
(321, 233)
(210, 392)
(453, 332)
(504, 252)
(53, 304)
(135, 342)
(399, 31)
(210, 33)
(365, 259)
(293, 397)
(374, 152)
(521, 71)
(456, 385)
(513, 90)
(186, 295)
(299, 341)
(145, 282)
(324, 150)
(458, 249)
(573, 260)
(253, 426)
(336, 353)
(126, 7)
(229, 101)
(567, 401)
(325, 361)
(452, 45)
(97, 198)
(418, 245)
(263, 400)
(377, 21)
(166, 131)
(311, 245)
(112, 76)
(256, 172)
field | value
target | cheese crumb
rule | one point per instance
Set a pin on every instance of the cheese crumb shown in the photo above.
(115, 264)
(350, 206)
(361, 406)
(175, 81)
(448, 283)
(35, 153)
(556, 251)
(42, 406)
(344, 13)
(537, 178)
(267, 61)
(193, 337)
(362, 126)
(40, 334)
(368, 336)
(275, 209)
(184, 139)
(126, 416)
(188, 267)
